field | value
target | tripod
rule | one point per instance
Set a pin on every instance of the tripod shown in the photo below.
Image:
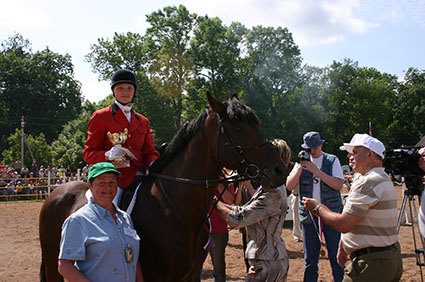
(409, 195)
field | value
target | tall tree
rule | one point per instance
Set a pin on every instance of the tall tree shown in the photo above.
(270, 72)
(156, 108)
(339, 77)
(39, 86)
(305, 107)
(127, 50)
(215, 49)
(408, 125)
(356, 96)
(172, 70)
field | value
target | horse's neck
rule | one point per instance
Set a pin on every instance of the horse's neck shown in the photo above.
(195, 162)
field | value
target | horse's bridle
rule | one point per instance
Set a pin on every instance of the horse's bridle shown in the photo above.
(251, 171)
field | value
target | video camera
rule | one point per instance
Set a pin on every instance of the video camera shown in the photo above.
(403, 162)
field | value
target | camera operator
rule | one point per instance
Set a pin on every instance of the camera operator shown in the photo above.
(421, 216)
(369, 219)
(319, 176)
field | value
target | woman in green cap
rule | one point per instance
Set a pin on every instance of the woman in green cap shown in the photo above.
(98, 241)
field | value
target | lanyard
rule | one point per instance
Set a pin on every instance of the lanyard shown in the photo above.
(318, 226)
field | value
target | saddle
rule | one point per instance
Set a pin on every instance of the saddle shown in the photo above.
(128, 192)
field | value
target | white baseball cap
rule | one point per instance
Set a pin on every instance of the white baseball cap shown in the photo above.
(366, 141)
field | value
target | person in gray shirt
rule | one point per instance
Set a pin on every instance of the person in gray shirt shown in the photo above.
(262, 217)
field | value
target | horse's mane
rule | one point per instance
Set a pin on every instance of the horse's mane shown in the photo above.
(235, 111)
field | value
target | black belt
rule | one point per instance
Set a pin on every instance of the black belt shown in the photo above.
(370, 250)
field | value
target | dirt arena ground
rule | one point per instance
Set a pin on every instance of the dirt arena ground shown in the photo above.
(20, 249)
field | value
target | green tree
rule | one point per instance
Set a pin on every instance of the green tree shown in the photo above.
(172, 70)
(215, 50)
(372, 97)
(39, 86)
(305, 107)
(408, 125)
(270, 74)
(354, 97)
(339, 77)
(129, 50)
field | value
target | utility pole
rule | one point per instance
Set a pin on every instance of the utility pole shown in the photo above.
(22, 141)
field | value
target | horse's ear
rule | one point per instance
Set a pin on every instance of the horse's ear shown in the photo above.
(216, 105)
(234, 97)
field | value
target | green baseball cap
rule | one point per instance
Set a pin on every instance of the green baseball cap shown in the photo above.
(101, 168)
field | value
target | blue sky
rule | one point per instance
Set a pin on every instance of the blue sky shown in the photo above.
(388, 35)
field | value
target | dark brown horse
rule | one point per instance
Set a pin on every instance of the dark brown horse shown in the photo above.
(169, 215)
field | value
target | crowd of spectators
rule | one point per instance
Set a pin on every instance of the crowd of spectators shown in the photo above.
(24, 184)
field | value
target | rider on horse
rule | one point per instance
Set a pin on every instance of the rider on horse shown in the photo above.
(120, 135)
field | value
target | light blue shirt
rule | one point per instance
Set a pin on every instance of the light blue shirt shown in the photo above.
(96, 243)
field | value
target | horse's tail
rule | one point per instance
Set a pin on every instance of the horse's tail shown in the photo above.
(43, 270)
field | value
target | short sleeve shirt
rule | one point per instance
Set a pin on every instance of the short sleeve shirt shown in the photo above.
(374, 199)
(97, 244)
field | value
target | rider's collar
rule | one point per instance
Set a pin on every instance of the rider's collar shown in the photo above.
(123, 108)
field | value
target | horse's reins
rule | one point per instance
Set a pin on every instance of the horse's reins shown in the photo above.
(207, 183)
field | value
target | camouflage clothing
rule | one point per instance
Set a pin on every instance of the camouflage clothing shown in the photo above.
(263, 217)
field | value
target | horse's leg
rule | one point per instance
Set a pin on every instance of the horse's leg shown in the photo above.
(42, 270)
(50, 228)
(55, 210)
(51, 259)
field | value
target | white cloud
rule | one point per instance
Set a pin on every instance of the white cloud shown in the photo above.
(18, 14)
(341, 13)
(312, 22)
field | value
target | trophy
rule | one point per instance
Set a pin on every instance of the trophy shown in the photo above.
(117, 139)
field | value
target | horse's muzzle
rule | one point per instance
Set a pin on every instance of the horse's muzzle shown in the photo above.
(274, 176)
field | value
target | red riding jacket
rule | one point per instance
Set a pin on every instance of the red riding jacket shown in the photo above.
(139, 142)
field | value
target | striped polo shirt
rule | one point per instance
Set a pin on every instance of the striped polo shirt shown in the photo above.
(374, 199)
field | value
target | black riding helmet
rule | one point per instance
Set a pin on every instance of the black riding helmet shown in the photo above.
(123, 76)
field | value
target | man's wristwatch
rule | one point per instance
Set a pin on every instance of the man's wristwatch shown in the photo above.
(316, 209)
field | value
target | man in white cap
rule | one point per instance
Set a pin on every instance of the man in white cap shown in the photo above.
(369, 219)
